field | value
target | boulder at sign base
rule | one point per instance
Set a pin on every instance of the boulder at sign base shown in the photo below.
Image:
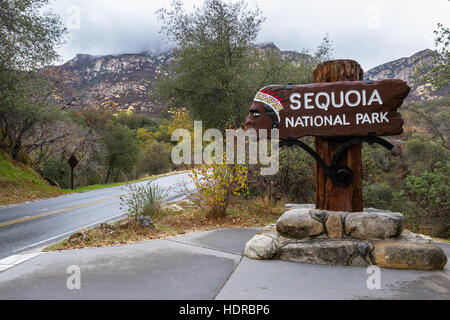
(324, 252)
(374, 225)
(373, 237)
(298, 223)
(334, 226)
(261, 247)
(408, 255)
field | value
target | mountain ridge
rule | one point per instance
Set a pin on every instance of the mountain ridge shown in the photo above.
(404, 69)
(124, 82)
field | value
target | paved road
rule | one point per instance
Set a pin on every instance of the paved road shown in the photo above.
(205, 266)
(36, 224)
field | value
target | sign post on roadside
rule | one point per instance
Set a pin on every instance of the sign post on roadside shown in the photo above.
(73, 162)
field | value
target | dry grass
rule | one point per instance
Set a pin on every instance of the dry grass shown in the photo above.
(27, 191)
(242, 214)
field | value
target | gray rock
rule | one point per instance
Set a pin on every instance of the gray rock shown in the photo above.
(359, 261)
(334, 226)
(408, 254)
(324, 252)
(415, 237)
(372, 210)
(363, 248)
(374, 225)
(407, 251)
(320, 215)
(261, 247)
(145, 221)
(271, 228)
(291, 206)
(298, 223)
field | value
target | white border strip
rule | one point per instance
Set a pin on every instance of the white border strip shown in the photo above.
(13, 261)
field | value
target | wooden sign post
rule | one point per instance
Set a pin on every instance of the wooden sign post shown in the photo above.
(328, 195)
(73, 162)
(341, 111)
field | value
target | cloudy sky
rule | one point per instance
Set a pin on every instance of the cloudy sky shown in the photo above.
(372, 32)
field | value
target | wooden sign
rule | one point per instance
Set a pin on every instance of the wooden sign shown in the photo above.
(338, 109)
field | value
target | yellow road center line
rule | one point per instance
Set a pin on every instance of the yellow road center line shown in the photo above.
(56, 212)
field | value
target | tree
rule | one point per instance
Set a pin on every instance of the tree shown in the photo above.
(94, 119)
(438, 73)
(29, 37)
(58, 170)
(135, 121)
(270, 66)
(217, 68)
(28, 41)
(325, 50)
(26, 117)
(208, 75)
(121, 150)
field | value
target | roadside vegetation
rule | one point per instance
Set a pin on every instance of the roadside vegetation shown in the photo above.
(415, 178)
(176, 219)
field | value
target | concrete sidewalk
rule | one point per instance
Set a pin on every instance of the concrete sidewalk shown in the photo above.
(205, 266)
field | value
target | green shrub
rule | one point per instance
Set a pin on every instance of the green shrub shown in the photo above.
(378, 195)
(422, 154)
(431, 190)
(143, 200)
(426, 202)
(156, 158)
(413, 214)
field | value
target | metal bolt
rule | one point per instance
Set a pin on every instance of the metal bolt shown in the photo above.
(342, 174)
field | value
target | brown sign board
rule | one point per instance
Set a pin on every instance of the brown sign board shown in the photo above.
(337, 109)
(73, 161)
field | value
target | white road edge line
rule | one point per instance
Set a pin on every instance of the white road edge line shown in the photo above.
(69, 232)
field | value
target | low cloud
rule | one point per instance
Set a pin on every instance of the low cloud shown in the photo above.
(370, 32)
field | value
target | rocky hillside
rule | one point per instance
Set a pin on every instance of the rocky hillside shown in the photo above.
(124, 82)
(120, 83)
(404, 69)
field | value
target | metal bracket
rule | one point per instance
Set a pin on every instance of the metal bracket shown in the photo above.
(341, 176)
